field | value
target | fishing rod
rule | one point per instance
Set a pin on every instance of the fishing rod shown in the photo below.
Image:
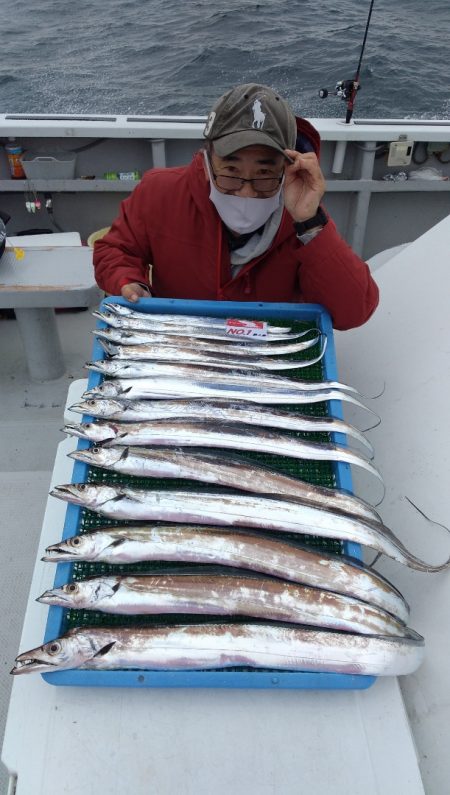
(347, 89)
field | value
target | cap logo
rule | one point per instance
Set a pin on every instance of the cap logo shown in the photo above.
(258, 116)
(209, 123)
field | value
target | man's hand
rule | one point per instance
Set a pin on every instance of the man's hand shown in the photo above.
(304, 185)
(132, 292)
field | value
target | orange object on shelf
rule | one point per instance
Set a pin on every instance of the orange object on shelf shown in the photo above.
(14, 154)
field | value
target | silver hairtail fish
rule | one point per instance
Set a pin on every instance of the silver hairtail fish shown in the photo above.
(120, 336)
(130, 369)
(219, 645)
(181, 433)
(141, 323)
(222, 470)
(174, 387)
(237, 548)
(240, 510)
(151, 319)
(223, 595)
(222, 361)
(235, 412)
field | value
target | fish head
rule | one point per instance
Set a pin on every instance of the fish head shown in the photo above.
(101, 366)
(107, 317)
(93, 431)
(113, 334)
(107, 389)
(100, 456)
(110, 348)
(80, 408)
(82, 594)
(70, 595)
(107, 333)
(72, 650)
(88, 494)
(98, 407)
(113, 367)
(73, 429)
(119, 309)
(80, 547)
(100, 315)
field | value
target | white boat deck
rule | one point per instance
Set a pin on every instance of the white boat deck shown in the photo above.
(199, 741)
(403, 352)
(30, 421)
(265, 742)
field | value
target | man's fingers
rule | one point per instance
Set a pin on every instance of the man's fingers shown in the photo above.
(294, 155)
(130, 295)
(303, 163)
(132, 292)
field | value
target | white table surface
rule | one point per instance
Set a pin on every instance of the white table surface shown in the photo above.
(196, 742)
(53, 239)
(48, 276)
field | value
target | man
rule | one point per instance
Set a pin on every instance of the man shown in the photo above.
(242, 222)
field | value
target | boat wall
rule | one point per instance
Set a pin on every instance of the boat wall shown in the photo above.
(371, 213)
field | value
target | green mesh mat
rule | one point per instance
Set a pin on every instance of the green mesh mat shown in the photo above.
(317, 472)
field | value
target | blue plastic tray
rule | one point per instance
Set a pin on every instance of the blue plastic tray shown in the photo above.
(232, 678)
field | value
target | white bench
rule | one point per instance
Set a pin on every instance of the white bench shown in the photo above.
(35, 277)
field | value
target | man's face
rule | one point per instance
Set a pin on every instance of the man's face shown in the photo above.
(254, 163)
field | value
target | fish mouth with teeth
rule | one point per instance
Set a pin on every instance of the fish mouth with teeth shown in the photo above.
(30, 663)
(57, 552)
(67, 493)
(50, 597)
(51, 553)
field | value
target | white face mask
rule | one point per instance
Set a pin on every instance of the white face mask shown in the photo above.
(239, 213)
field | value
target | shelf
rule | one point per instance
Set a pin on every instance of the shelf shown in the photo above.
(126, 186)
(67, 185)
(386, 186)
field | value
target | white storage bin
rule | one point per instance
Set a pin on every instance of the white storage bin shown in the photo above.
(55, 166)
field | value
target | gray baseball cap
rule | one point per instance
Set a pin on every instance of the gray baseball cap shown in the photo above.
(250, 114)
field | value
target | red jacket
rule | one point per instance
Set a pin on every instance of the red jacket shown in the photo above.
(169, 222)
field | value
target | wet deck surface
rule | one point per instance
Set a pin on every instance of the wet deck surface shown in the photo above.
(30, 421)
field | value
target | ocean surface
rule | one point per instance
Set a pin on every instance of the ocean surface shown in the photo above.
(177, 57)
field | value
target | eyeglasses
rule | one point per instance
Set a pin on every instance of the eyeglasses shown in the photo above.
(259, 184)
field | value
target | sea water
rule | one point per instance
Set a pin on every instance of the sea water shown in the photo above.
(178, 56)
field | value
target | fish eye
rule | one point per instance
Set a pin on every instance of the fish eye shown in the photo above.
(95, 450)
(76, 541)
(53, 648)
(71, 587)
(81, 486)
(91, 402)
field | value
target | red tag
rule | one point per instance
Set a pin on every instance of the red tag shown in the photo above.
(247, 329)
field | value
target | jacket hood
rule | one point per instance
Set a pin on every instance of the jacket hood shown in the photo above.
(308, 139)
